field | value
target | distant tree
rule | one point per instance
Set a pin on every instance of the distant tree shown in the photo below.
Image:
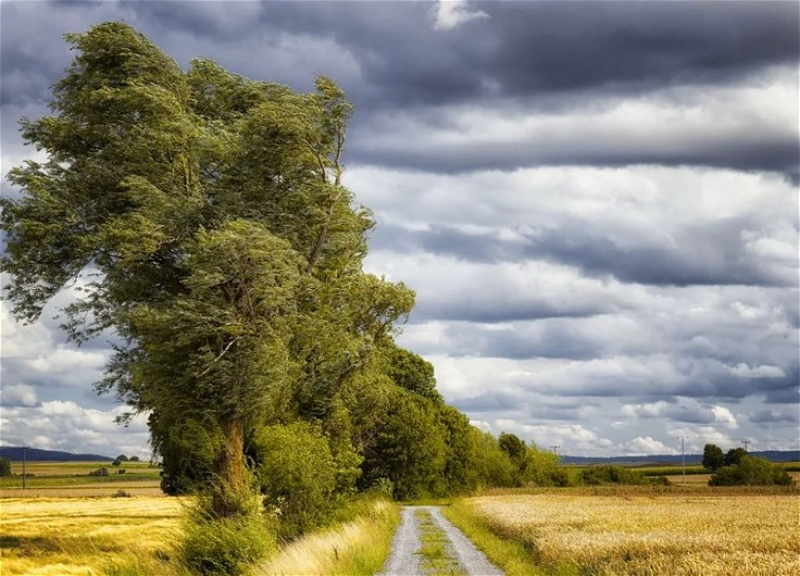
(99, 472)
(713, 457)
(734, 456)
(121, 458)
(116, 462)
(133, 459)
(5, 467)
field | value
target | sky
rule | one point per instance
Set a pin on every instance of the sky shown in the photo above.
(595, 202)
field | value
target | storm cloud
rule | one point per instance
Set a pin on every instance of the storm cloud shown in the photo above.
(596, 203)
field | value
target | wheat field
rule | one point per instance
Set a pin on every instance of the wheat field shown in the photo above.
(85, 536)
(686, 534)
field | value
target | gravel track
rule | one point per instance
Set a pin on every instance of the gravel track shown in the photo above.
(404, 559)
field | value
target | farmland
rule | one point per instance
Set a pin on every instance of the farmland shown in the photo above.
(655, 532)
(65, 479)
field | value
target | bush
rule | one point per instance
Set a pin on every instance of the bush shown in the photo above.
(297, 475)
(5, 467)
(597, 475)
(226, 546)
(121, 494)
(751, 471)
(99, 472)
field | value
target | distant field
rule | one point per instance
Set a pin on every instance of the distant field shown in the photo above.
(72, 479)
(736, 532)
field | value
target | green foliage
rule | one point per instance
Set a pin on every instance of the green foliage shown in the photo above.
(734, 456)
(133, 459)
(297, 475)
(543, 468)
(409, 448)
(712, 457)
(461, 466)
(116, 462)
(410, 371)
(492, 464)
(598, 475)
(751, 471)
(5, 467)
(228, 254)
(225, 546)
(121, 458)
(99, 472)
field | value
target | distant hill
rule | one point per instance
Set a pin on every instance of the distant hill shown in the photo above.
(35, 454)
(772, 455)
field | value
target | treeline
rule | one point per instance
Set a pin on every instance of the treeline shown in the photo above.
(386, 430)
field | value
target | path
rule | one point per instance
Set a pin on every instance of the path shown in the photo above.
(405, 559)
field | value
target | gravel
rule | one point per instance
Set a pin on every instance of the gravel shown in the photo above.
(404, 559)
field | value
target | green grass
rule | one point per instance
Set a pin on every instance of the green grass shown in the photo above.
(436, 551)
(513, 557)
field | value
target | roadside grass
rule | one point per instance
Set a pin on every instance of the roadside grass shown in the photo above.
(438, 557)
(137, 536)
(514, 557)
(357, 546)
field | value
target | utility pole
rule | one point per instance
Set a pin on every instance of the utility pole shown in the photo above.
(746, 444)
(554, 449)
(683, 440)
(24, 458)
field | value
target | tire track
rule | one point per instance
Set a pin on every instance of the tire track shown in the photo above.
(404, 559)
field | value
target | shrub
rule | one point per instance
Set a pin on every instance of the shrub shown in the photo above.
(5, 467)
(597, 475)
(99, 472)
(751, 471)
(225, 546)
(121, 494)
(297, 475)
(117, 462)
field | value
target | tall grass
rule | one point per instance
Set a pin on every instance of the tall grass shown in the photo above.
(358, 546)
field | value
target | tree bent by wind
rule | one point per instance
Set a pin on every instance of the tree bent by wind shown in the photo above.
(205, 216)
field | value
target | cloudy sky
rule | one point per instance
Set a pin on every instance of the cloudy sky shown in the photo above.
(596, 203)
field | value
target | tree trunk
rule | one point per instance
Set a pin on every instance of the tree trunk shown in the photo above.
(228, 498)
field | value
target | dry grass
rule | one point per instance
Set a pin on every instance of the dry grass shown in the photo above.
(358, 547)
(86, 536)
(681, 534)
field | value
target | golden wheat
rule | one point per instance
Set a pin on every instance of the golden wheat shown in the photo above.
(78, 536)
(691, 535)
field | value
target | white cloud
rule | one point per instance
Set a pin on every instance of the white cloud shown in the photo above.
(450, 14)
(645, 445)
(18, 395)
(65, 425)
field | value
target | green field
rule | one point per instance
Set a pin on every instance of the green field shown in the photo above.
(51, 475)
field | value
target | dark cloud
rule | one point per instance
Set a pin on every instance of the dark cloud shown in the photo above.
(767, 417)
(710, 255)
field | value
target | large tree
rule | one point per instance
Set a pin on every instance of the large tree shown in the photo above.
(204, 216)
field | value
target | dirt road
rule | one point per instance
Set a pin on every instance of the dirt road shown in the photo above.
(407, 557)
